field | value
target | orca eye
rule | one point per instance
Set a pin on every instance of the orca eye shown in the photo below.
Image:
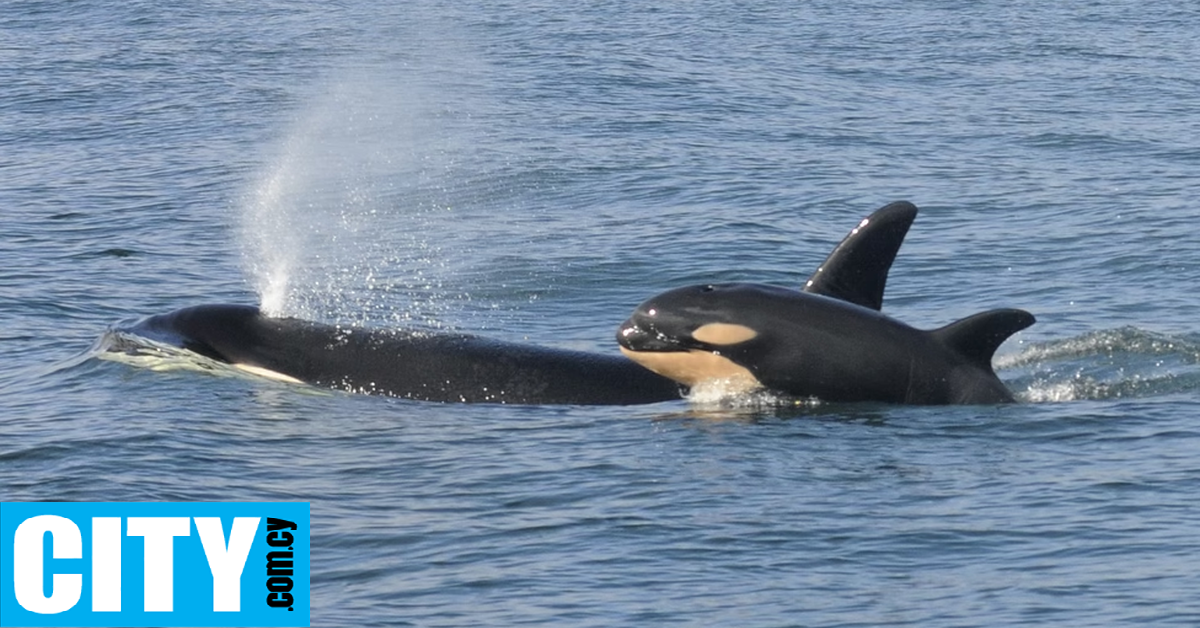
(708, 288)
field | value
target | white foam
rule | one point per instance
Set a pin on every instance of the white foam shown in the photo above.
(732, 394)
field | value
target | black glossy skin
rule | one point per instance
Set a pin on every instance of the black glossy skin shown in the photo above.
(413, 365)
(815, 346)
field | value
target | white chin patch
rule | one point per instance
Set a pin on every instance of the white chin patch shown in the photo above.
(694, 368)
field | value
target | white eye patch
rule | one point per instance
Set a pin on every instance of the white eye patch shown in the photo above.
(723, 333)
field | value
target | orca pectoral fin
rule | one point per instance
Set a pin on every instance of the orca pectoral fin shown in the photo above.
(977, 337)
(857, 270)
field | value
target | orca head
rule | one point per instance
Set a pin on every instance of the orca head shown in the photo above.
(714, 332)
(698, 334)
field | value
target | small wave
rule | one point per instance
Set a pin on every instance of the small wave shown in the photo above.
(1128, 339)
(127, 348)
(1126, 362)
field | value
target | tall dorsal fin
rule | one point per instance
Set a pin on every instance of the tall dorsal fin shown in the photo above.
(977, 337)
(857, 270)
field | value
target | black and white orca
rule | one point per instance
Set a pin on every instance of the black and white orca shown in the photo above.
(830, 341)
(429, 366)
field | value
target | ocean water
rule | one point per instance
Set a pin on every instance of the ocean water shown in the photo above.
(532, 171)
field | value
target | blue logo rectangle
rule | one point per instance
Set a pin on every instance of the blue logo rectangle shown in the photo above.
(154, 564)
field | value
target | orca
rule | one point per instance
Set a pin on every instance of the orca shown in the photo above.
(829, 341)
(426, 366)
(454, 367)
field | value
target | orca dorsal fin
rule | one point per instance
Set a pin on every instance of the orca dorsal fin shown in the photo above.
(857, 270)
(977, 337)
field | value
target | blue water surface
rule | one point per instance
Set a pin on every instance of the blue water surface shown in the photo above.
(532, 171)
